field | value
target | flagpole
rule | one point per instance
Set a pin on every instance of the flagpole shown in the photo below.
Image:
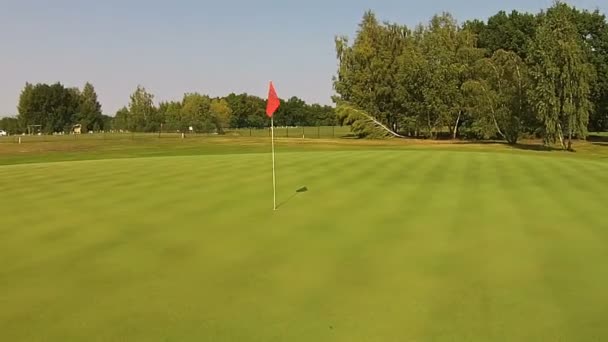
(274, 179)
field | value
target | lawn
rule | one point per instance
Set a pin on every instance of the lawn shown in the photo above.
(391, 242)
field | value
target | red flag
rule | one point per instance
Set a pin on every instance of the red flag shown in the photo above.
(273, 101)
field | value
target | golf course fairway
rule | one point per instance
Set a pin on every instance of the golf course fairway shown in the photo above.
(386, 245)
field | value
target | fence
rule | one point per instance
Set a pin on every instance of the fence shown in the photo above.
(319, 132)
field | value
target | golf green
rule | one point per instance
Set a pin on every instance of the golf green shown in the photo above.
(402, 245)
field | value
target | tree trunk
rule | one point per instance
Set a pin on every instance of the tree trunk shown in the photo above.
(493, 114)
(570, 125)
(456, 126)
(560, 135)
(570, 138)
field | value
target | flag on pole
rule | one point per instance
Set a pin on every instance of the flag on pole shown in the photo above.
(273, 101)
(271, 107)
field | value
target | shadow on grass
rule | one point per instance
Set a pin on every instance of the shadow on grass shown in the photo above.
(299, 191)
(519, 146)
(598, 139)
(534, 147)
(531, 146)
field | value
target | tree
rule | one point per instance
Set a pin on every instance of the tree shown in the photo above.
(142, 111)
(195, 113)
(291, 112)
(561, 77)
(27, 114)
(509, 32)
(10, 125)
(593, 30)
(170, 113)
(220, 114)
(369, 71)
(357, 70)
(51, 106)
(106, 122)
(406, 79)
(363, 124)
(542, 74)
(121, 120)
(448, 56)
(318, 115)
(247, 111)
(496, 96)
(89, 109)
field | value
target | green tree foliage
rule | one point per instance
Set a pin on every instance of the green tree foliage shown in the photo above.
(220, 114)
(247, 111)
(407, 79)
(318, 115)
(513, 32)
(593, 29)
(250, 111)
(516, 73)
(195, 112)
(171, 114)
(362, 124)
(509, 32)
(206, 115)
(106, 122)
(292, 112)
(11, 125)
(449, 55)
(121, 120)
(58, 109)
(54, 107)
(89, 109)
(561, 77)
(369, 70)
(496, 96)
(27, 115)
(142, 113)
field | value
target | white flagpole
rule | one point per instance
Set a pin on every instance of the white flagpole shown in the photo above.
(274, 179)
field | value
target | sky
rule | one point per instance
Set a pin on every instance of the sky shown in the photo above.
(212, 47)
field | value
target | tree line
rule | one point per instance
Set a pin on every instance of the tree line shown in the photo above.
(206, 114)
(519, 74)
(55, 108)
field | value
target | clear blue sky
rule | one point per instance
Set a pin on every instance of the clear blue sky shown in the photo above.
(213, 47)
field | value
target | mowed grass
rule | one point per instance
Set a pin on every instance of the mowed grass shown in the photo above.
(387, 245)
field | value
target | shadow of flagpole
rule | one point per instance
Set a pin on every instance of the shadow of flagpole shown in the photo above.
(299, 191)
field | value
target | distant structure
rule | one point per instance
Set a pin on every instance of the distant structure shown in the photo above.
(34, 129)
(77, 129)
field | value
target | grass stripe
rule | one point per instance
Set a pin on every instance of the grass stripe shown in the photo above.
(386, 245)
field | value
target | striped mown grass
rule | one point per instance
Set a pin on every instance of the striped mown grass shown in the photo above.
(405, 245)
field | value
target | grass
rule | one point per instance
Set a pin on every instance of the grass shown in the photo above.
(37, 149)
(317, 132)
(393, 241)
